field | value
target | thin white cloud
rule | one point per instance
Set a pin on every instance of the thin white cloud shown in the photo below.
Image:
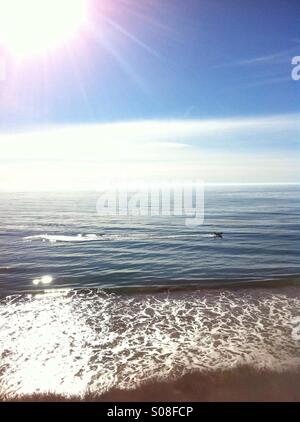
(280, 57)
(173, 134)
(268, 58)
(82, 156)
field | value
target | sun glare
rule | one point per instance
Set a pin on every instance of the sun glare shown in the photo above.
(30, 27)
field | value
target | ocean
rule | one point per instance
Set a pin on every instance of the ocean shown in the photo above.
(91, 302)
(261, 228)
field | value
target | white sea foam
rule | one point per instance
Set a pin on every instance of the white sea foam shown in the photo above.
(68, 342)
(111, 236)
(64, 238)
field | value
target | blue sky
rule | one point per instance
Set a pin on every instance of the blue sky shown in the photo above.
(169, 61)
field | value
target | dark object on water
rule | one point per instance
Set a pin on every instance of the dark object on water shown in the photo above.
(218, 235)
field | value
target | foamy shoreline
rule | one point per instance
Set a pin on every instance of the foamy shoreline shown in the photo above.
(239, 384)
(71, 342)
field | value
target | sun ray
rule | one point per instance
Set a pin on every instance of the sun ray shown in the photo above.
(124, 64)
(130, 36)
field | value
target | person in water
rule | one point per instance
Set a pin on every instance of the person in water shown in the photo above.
(218, 235)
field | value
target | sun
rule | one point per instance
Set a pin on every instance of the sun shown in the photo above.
(30, 27)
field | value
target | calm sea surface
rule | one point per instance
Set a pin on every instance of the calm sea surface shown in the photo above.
(39, 236)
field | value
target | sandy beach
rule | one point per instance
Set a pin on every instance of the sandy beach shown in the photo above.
(237, 385)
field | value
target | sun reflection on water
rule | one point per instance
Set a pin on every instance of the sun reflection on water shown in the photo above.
(46, 279)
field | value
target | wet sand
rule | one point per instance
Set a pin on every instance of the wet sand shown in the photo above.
(240, 384)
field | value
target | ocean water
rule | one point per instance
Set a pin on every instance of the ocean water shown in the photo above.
(90, 302)
(39, 236)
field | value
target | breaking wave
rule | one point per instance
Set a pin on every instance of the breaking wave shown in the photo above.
(64, 238)
(54, 238)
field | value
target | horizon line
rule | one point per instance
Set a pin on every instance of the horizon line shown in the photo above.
(155, 183)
